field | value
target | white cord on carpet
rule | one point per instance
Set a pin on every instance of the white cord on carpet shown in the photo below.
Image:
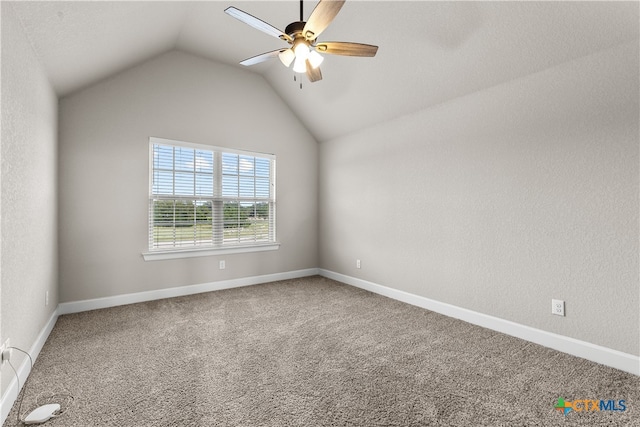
(50, 397)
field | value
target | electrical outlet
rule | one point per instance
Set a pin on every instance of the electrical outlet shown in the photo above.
(222, 265)
(557, 307)
(357, 263)
(3, 347)
(6, 355)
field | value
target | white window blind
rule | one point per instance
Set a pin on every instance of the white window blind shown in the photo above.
(209, 197)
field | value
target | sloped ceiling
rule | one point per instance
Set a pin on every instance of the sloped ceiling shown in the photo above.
(429, 52)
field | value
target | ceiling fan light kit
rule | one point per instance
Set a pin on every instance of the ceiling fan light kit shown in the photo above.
(302, 36)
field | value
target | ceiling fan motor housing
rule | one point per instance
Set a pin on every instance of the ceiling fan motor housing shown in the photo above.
(295, 29)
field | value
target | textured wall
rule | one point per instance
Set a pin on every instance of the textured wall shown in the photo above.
(502, 200)
(104, 174)
(28, 267)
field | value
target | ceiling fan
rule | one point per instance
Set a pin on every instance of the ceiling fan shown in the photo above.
(305, 50)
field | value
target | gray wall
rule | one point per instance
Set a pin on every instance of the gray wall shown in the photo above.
(104, 175)
(502, 200)
(28, 267)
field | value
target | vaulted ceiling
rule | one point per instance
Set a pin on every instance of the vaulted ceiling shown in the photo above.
(429, 52)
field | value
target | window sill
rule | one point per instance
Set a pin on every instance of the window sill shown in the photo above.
(198, 252)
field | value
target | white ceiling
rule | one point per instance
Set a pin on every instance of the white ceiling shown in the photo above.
(429, 52)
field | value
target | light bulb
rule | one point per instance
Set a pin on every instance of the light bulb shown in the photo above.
(300, 66)
(287, 57)
(315, 59)
(301, 49)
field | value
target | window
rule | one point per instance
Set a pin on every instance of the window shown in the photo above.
(208, 198)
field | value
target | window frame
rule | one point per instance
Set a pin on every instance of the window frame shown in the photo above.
(172, 252)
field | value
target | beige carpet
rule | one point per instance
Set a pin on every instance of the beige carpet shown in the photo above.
(310, 352)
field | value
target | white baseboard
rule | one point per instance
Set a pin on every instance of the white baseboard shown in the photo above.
(23, 370)
(606, 356)
(114, 301)
(603, 355)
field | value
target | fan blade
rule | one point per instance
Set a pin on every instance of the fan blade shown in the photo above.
(256, 23)
(262, 57)
(313, 74)
(321, 17)
(347, 48)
